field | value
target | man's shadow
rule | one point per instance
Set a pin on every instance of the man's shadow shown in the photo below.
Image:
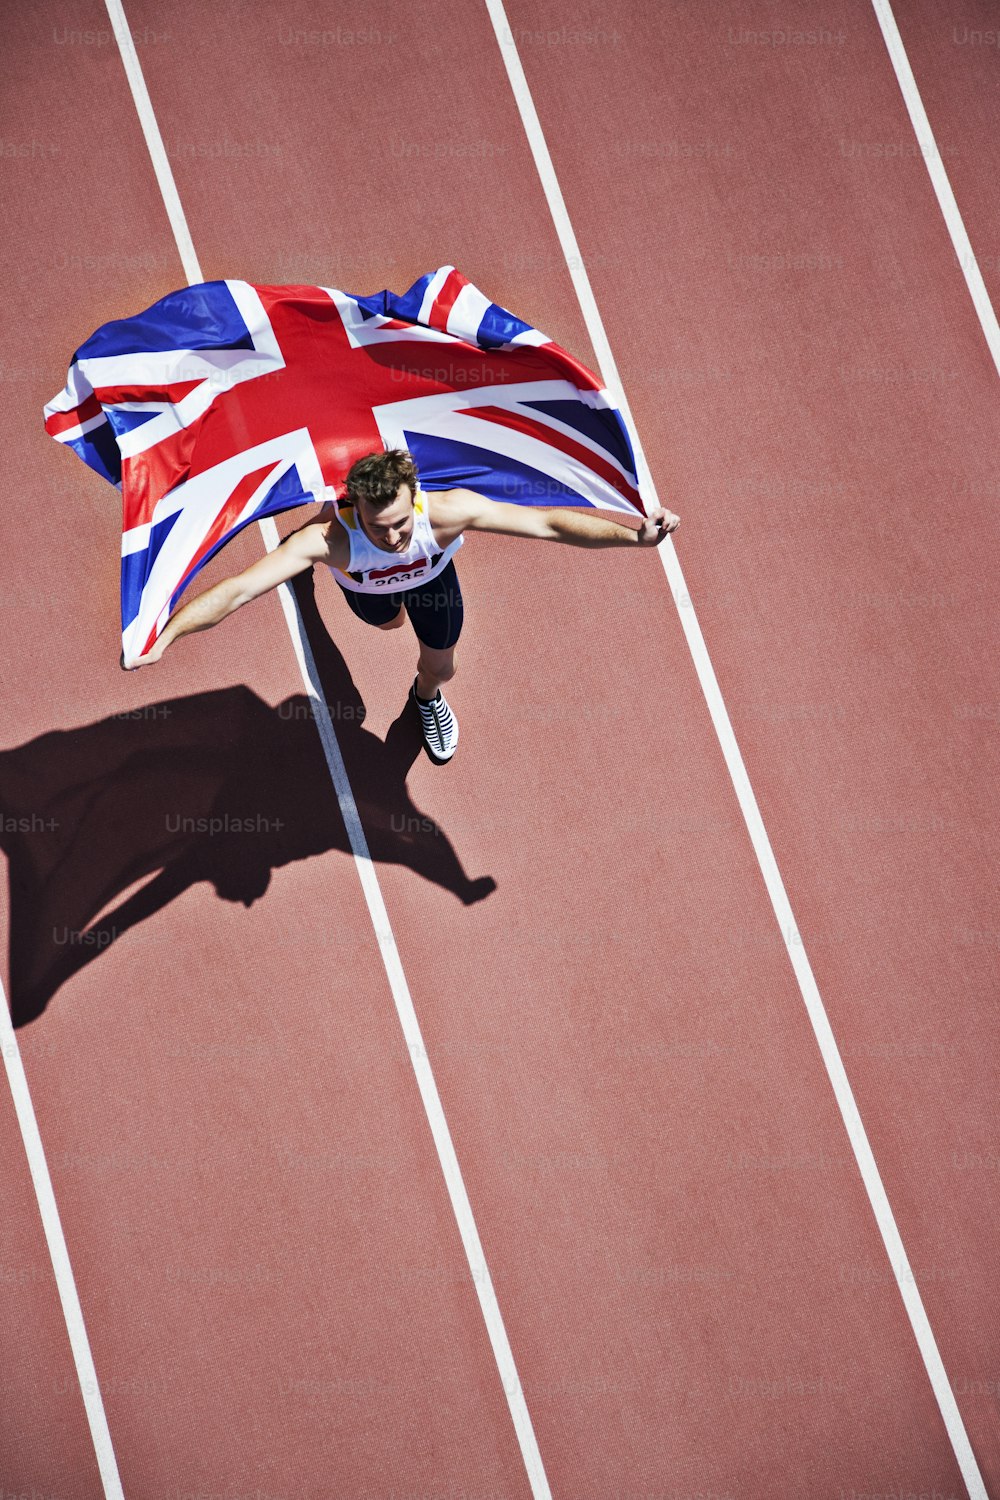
(217, 786)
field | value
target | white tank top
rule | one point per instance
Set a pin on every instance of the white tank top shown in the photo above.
(372, 570)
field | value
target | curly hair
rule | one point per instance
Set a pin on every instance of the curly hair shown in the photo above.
(378, 476)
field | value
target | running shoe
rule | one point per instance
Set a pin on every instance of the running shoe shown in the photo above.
(439, 726)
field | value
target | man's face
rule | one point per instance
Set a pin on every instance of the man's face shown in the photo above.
(392, 527)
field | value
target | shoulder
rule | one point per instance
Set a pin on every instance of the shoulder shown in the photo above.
(322, 540)
(335, 537)
(453, 511)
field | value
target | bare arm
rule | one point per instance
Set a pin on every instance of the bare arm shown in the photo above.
(465, 510)
(294, 555)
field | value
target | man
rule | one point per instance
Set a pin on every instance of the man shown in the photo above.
(386, 515)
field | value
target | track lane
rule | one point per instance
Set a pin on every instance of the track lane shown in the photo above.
(240, 1158)
(832, 450)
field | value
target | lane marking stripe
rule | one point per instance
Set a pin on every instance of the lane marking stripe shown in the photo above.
(780, 903)
(154, 141)
(461, 1206)
(59, 1255)
(939, 177)
(381, 925)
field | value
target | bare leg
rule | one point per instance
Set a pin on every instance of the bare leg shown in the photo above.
(433, 669)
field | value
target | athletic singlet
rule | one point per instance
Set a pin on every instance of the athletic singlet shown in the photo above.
(372, 570)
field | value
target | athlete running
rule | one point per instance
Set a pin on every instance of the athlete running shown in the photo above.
(390, 545)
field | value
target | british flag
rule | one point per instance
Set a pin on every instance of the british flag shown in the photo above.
(226, 402)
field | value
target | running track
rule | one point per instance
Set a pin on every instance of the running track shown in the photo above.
(687, 1265)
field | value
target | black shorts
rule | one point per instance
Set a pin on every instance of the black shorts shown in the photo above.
(435, 608)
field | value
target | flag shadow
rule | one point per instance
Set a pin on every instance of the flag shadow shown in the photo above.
(216, 787)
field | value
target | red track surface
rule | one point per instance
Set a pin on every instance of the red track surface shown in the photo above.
(695, 1291)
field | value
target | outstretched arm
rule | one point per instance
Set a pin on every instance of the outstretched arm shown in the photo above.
(296, 553)
(470, 511)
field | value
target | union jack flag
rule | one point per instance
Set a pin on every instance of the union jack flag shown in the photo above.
(226, 402)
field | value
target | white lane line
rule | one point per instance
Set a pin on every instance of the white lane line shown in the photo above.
(154, 141)
(939, 177)
(450, 1168)
(877, 1196)
(461, 1206)
(59, 1255)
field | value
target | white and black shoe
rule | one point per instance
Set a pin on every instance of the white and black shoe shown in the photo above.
(439, 726)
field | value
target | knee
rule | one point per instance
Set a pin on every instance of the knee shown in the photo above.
(441, 671)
